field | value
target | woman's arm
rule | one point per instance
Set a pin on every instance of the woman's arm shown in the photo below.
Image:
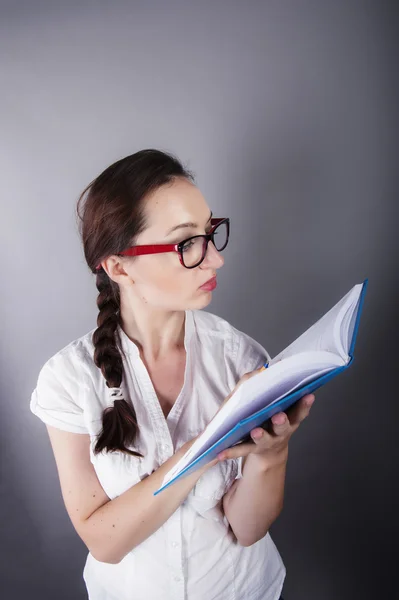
(254, 502)
(112, 528)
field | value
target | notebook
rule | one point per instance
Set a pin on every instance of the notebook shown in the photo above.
(314, 358)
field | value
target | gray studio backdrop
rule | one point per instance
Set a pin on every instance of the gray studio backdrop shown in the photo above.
(285, 110)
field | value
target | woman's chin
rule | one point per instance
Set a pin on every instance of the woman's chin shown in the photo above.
(202, 300)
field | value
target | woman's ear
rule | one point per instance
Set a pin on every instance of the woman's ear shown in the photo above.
(114, 267)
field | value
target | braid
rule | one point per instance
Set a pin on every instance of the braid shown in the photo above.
(119, 421)
(112, 214)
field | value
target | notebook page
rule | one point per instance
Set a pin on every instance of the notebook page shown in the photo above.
(325, 334)
(348, 324)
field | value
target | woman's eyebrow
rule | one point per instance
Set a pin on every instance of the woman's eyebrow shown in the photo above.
(184, 225)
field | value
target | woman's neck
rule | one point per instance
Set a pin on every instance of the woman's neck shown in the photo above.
(156, 333)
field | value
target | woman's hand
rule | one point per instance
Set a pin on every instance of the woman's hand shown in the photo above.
(271, 447)
(241, 381)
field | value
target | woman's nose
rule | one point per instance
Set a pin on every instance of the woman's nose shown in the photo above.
(213, 258)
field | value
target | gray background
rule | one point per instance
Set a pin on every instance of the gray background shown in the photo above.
(286, 112)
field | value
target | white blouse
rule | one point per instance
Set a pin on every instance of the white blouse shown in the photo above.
(193, 555)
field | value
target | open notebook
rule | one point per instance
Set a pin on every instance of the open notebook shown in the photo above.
(318, 355)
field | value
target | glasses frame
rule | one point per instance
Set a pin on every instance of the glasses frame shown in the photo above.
(161, 248)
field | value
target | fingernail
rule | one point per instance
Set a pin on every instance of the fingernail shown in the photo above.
(279, 420)
(257, 435)
(310, 401)
(221, 456)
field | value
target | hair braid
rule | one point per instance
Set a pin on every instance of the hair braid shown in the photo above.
(111, 213)
(119, 421)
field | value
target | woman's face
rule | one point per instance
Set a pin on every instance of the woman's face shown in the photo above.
(160, 279)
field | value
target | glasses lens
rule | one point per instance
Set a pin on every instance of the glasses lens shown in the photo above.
(192, 251)
(220, 236)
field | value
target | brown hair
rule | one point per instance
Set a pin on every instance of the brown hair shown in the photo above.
(111, 215)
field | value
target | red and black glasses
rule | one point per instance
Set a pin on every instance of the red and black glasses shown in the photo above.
(191, 251)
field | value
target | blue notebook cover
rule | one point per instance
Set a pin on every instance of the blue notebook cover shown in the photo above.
(240, 432)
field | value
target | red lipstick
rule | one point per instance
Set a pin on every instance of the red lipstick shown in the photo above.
(209, 285)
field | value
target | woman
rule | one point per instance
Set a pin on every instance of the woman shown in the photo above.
(123, 403)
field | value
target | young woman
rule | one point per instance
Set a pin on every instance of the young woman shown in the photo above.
(123, 403)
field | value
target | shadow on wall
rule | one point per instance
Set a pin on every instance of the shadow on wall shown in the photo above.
(339, 524)
(33, 520)
(20, 536)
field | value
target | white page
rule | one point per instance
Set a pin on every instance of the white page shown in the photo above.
(256, 393)
(348, 324)
(325, 334)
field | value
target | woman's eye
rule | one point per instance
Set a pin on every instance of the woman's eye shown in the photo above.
(187, 245)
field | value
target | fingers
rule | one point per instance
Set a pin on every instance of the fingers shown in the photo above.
(300, 410)
(248, 376)
(236, 451)
(240, 382)
(281, 425)
(262, 440)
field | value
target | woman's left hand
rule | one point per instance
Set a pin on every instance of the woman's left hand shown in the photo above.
(271, 447)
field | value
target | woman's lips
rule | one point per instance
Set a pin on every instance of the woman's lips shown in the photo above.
(209, 285)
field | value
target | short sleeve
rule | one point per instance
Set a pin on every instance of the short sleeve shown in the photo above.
(57, 398)
(250, 354)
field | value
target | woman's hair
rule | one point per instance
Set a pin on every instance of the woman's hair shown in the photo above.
(111, 214)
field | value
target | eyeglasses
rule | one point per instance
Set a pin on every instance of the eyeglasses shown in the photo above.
(191, 251)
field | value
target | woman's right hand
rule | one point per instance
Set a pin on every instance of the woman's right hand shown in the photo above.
(185, 447)
(245, 377)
